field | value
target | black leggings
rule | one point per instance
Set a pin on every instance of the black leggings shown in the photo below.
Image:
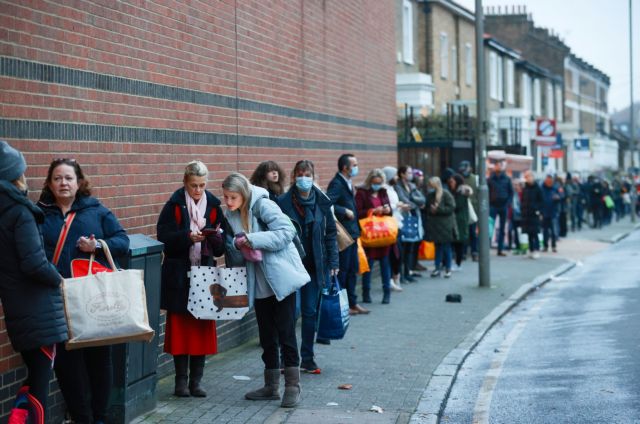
(38, 374)
(458, 248)
(85, 379)
(277, 325)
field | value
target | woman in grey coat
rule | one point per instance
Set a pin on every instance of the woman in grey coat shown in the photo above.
(274, 273)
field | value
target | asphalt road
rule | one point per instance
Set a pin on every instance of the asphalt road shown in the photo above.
(570, 353)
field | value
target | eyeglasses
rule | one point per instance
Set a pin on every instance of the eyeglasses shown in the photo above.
(58, 161)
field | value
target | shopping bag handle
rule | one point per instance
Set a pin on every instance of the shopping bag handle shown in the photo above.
(107, 253)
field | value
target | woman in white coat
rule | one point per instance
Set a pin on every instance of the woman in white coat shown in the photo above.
(260, 237)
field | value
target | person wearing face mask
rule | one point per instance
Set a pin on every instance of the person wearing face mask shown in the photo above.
(471, 180)
(415, 201)
(310, 210)
(372, 197)
(342, 194)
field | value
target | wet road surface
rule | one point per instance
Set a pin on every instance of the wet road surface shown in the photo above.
(569, 353)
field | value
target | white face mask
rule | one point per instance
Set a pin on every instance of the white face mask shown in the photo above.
(410, 176)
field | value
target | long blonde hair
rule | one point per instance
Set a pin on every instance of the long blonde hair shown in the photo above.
(437, 185)
(238, 183)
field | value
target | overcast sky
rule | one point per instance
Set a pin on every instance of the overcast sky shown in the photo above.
(595, 30)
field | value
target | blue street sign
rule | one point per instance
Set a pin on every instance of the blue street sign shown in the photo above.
(581, 144)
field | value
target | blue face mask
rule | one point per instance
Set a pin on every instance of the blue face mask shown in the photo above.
(304, 184)
(376, 187)
(354, 171)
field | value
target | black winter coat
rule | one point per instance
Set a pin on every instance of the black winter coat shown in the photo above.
(91, 218)
(173, 230)
(531, 208)
(324, 247)
(500, 190)
(29, 284)
(343, 198)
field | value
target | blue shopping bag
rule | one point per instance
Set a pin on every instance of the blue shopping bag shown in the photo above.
(334, 312)
(410, 231)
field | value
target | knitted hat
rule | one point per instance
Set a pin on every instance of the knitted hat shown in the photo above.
(12, 163)
(418, 173)
(389, 172)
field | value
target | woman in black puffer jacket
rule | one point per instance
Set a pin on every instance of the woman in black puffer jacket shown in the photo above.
(29, 288)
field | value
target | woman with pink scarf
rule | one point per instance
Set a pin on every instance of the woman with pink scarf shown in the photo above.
(189, 226)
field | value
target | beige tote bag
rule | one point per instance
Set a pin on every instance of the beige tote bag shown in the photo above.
(106, 308)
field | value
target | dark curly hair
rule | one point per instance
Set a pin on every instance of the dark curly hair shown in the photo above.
(259, 177)
(84, 186)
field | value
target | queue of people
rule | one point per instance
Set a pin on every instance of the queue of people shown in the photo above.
(285, 237)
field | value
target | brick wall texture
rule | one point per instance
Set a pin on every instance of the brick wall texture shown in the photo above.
(135, 89)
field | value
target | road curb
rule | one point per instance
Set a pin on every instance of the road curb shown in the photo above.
(617, 237)
(433, 400)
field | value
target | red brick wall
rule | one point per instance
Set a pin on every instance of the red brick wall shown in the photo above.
(134, 90)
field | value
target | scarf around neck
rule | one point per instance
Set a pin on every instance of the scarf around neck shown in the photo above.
(197, 221)
(305, 207)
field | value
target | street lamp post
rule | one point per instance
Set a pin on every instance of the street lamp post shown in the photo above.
(481, 153)
(632, 131)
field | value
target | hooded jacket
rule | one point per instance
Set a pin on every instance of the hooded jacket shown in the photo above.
(29, 284)
(281, 263)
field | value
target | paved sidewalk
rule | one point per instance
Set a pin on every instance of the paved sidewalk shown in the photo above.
(388, 356)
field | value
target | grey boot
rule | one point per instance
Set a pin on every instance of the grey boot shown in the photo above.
(181, 363)
(292, 389)
(270, 389)
(196, 368)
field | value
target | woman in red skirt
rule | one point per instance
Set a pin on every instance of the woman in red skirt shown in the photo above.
(188, 226)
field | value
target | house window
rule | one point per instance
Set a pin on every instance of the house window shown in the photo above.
(550, 102)
(468, 63)
(559, 106)
(525, 93)
(407, 32)
(575, 79)
(444, 55)
(511, 92)
(454, 63)
(493, 75)
(537, 98)
(500, 79)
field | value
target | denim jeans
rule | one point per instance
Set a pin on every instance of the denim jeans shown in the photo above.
(385, 272)
(502, 214)
(309, 307)
(349, 271)
(443, 253)
(549, 229)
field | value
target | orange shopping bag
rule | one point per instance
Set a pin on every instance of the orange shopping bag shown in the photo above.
(427, 251)
(363, 262)
(378, 231)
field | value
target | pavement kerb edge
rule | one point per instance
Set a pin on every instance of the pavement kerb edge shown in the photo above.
(433, 400)
(616, 238)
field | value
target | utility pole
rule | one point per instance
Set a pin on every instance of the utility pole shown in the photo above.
(632, 132)
(484, 270)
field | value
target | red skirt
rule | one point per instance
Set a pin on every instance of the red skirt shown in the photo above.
(186, 335)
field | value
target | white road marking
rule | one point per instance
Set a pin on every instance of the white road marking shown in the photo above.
(483, 402)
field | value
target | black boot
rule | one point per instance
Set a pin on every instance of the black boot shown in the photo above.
(196, 370)
(366, 295)
(386, 296)
(181, 362)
